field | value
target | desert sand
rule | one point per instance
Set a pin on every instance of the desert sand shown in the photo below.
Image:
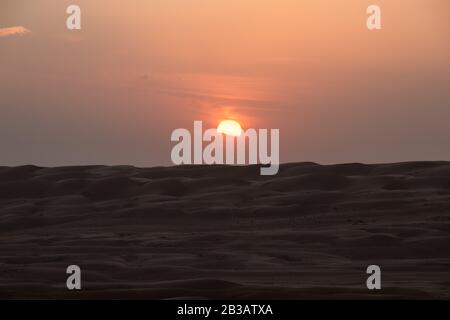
(217, 232)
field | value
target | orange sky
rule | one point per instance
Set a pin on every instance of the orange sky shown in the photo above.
(113, 92)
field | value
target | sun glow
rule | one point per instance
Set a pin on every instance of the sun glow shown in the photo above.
(230, 127)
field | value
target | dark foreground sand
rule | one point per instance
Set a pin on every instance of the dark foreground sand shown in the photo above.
(226, 232)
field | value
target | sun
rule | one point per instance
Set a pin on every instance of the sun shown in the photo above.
(230, 127)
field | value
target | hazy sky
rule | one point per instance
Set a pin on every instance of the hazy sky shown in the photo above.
(113, 92)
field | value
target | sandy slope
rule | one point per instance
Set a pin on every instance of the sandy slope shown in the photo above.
(226, 232)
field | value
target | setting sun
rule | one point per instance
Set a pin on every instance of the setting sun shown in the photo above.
(230, 127)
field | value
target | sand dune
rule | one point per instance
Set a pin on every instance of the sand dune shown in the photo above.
(226, 232)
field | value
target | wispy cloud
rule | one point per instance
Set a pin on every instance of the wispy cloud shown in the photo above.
(11, 31)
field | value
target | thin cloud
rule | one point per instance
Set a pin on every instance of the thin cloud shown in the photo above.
(11, 31)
